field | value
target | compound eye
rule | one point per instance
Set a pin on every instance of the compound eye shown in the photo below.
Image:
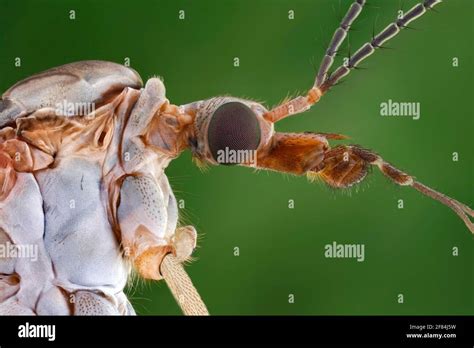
(233, 127)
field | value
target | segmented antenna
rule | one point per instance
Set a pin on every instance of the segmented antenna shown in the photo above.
(337, 39)
(323, 82)
(367, 49)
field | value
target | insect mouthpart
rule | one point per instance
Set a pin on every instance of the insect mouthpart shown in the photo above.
(234, 134)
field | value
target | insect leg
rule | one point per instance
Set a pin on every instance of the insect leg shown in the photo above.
(183, 238)
(142, 216)
(148, 226)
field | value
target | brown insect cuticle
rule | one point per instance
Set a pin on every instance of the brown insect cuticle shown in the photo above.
(314, 95)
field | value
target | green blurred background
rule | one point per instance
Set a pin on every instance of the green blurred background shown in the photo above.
(407, 251)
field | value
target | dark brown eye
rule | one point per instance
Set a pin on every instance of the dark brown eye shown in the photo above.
(233, 133)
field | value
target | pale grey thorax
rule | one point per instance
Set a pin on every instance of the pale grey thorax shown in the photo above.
(85, 208)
